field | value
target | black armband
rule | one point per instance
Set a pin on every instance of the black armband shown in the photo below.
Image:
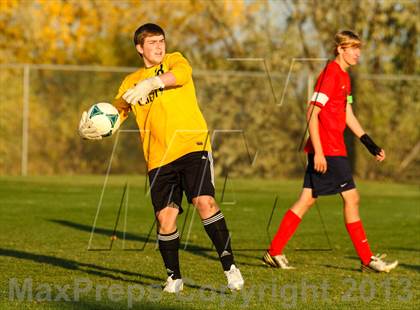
(370, 145)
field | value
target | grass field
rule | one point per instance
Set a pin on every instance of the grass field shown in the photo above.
(46, 222)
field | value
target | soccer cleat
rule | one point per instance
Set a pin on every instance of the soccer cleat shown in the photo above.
(173, 286)
(376, 264)
(234, 277)
(278, 261)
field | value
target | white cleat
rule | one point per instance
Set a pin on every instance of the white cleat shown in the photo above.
(278, 261)
(376, 264)
(235, 280)
(173, 286)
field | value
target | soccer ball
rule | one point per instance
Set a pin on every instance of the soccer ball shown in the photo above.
(105, 117)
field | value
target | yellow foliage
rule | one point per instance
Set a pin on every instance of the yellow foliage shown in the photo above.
(208, 32)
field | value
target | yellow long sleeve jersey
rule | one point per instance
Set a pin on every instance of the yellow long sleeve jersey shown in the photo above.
(171, 124)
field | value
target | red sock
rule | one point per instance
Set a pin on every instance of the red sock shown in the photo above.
(286, 229)
(358, 237)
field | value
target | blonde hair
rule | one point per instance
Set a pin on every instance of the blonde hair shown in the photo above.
(346, 38)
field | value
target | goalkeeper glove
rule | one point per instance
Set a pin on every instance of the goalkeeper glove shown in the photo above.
(87, 129)
(140, 92)
(370, 145)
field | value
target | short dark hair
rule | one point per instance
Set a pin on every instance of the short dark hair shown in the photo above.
(145, 31)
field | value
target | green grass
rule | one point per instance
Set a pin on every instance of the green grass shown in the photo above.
(46, 222)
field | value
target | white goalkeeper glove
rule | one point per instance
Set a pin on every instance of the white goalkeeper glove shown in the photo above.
(87, 129)
(139, 93)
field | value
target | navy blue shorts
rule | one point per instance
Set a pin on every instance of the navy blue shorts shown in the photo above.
(337, 179)
(191, 173)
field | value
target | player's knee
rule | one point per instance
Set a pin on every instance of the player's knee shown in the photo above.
(205, 203)
(167, 220)
(357, 200)
(310, 202)
(302, 206)
(353, 200)
(307, 202)
(166, 226)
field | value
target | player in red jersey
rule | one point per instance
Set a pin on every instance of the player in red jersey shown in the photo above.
(328, 171)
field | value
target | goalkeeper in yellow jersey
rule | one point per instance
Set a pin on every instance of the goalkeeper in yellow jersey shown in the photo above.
(176, 148)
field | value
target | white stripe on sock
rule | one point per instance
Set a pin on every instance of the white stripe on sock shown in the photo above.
(213, 219)
(168, 238)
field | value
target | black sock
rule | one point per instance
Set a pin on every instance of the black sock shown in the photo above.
(216, 228)
(168, 247)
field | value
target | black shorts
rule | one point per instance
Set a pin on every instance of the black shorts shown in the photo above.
(191, 173)
(337, 179)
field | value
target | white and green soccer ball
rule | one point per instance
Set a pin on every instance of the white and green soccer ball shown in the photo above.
(105, 118)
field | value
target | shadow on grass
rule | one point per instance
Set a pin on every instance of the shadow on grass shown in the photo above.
(411, 267)
(342, 268)
(400, 265)
(192, 248)
(403, 265)
(78, 266)
(92, 269)
(405, 249)
(98, 230)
